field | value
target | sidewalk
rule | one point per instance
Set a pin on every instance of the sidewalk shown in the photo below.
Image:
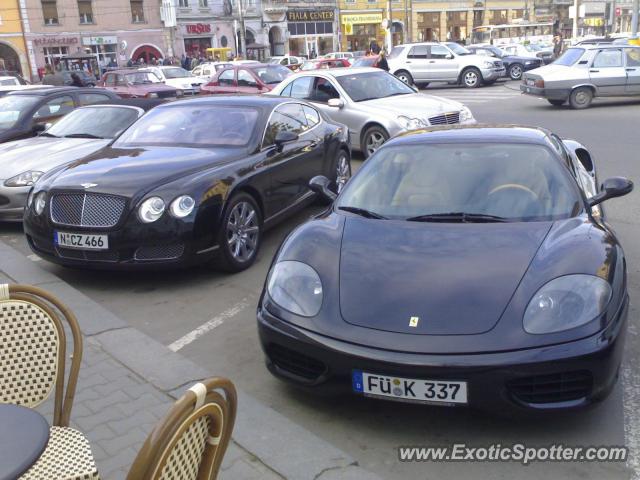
(128, 382)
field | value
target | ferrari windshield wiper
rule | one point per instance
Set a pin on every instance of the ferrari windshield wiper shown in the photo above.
(363, 212)
(462, 217)
(82, 135)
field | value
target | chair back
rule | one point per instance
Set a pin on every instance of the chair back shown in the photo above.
(192, 439)
(33, 350)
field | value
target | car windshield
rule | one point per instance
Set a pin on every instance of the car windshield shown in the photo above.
(570, 57)
(176, 72)
(458, 49)
(395, 52)
(193, 125)
(12, 106)
(372, 85)
(7, 81)
(369, 61)
(310, 66)
(275, 59)
(138, 78)
(94, 122)
(496, 51)
(272, 74)
(509, 182)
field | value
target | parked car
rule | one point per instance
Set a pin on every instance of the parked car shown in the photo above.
(289, 61)
(190, 182)
(423, 63)
(27, 113)
(4, 90)
(87, 79)
(530, 50)
(251, 78)
(80, 133)
(583, 73)
(137, 84)
(13, 73)
(374, 104)
(458, 267)
(320, 63)
(206, 71)
(9, 81)
(514, 65)
(349, 56)
(177, 77)
(366, 61)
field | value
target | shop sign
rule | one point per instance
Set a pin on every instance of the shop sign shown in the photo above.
(52, 41)
(99, 40)
(361, 18)
(310, 16)
(197, 28)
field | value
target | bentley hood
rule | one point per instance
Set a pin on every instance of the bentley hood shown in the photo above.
(433, 278)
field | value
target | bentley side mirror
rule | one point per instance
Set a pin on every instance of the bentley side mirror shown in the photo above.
(611, 188)
(283, 137)
(336, 102)
(320, 185)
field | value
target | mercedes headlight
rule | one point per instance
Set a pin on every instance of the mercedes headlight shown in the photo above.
(182, 206)
(466, 115)
(151, 209)
(566, 302)
(24, 179)
(39, 202)
(408, 123)
(296, 287)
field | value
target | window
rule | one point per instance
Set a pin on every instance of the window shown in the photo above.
(419, 51)
(245, 79)
(137, 11)
(52, 55)
(50, 12)
(203, 3)
(439, 52)
(608, 59)
(226, 78)
(301, 88)
(323, 91)
(104, 53)
(313, 117)
(85, 11)
(121, 81)
(91, 98)
(633, 57)
(110, 81)
(197, 71)
(183, 3)
(56, 107)
(287, 118)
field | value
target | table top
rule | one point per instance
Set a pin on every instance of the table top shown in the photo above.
(24, 434)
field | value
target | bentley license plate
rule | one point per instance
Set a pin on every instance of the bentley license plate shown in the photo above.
(81, 241)
(409, 389)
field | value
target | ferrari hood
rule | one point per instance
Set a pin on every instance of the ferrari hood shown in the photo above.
(433, 278)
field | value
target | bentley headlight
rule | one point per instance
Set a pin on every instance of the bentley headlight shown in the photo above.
(411, 123)
(151, 209)
(39, 202)
(182, 206)
(466, 115)
(566, 302)
(24, 179)
(296, 287)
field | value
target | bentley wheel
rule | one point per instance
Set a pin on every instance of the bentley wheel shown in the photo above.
(240, 234)
(373, 139)
(515, 71)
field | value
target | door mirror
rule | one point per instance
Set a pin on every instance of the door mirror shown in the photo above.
(611, 188)
(39, 127)
(449, 56)
(320, 185)
(336, 102)
(283, 137)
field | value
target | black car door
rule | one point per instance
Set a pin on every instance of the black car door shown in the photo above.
(291, 168)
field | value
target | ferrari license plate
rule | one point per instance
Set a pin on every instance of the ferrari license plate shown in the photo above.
(409, 389)
(81, 241)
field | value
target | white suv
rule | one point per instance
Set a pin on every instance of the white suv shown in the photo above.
(423, 63)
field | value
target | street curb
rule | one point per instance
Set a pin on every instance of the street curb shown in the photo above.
(284, 446)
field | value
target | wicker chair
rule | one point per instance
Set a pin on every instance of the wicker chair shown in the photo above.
(32, 367)
(191, 440)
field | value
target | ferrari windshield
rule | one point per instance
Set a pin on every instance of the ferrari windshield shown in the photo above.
(94, 122)
(372, 85)
(192, 125)
(12, 107)
(504, 182)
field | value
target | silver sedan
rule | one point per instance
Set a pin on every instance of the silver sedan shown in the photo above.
(372, 103)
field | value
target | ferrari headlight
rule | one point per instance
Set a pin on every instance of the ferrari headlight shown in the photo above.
(151, 209)
(182, 206)
(466, 115)
(408, 123)
(24, 179)
(39, 202)
(566, 302)
(296, 287)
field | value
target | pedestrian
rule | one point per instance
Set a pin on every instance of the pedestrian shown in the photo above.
(76, 81)
(52, 78)
(557, 45)
(374, 47)
(382, 62)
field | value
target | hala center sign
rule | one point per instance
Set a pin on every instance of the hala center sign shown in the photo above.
(310, 15)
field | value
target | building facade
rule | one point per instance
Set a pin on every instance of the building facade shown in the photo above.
(203, 24)
(13, 48)
(313, 28)
(364, 21)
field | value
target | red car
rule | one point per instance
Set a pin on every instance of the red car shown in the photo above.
(248, 78)
(137, 84)
(325, 63)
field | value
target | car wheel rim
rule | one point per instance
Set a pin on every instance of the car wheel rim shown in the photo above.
(374, 142)
(516, 73)
(470, 79)
(403, 78)
(243, 231)
(342, 172)
(582, 98)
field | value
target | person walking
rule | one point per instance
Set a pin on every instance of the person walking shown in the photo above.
(557, 45)
(382, 62)
(76, 81)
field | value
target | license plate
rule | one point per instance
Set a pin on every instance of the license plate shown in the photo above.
(409, 389)
(81, 241)
(530, 82)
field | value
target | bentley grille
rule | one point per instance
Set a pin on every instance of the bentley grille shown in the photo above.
(86, 209)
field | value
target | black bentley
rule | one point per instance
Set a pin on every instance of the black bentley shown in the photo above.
(191, 181)
(459, 266)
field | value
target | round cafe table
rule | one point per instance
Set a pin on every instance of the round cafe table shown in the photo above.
(24, 434)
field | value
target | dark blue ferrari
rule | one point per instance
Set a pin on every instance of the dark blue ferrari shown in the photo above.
(460, 266)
